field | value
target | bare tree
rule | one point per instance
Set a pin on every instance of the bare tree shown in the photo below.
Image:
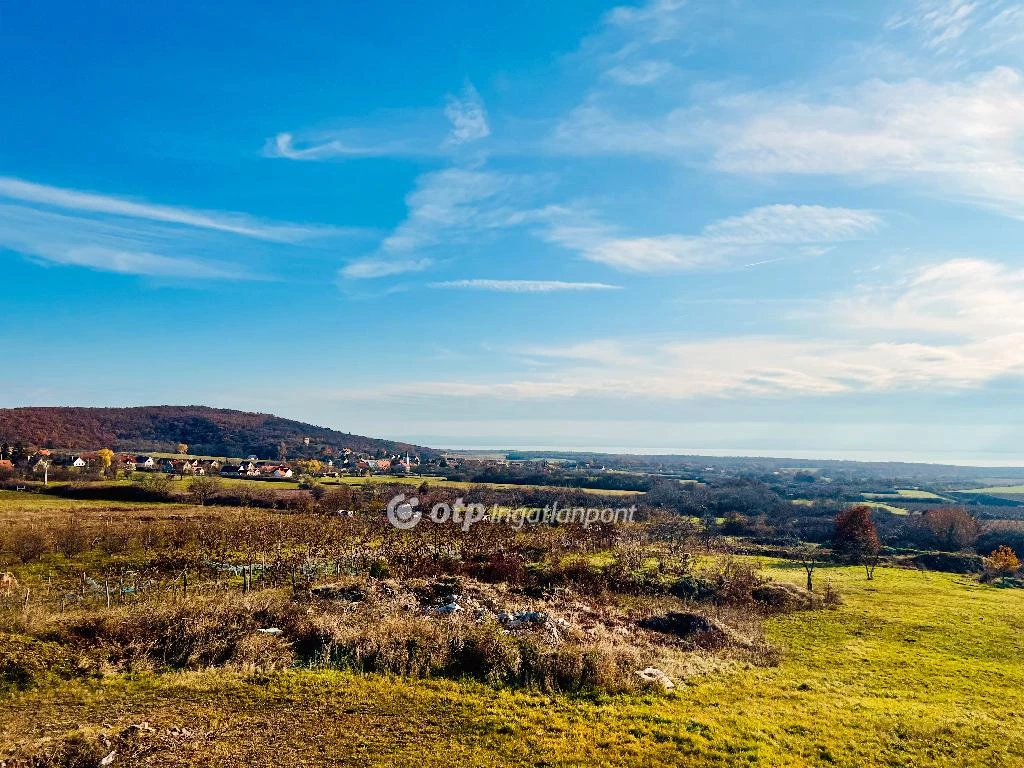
(203, 487)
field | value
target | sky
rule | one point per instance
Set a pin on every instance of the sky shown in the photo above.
(716, 226)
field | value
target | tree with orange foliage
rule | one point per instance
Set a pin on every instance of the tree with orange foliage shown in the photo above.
(1002, 562)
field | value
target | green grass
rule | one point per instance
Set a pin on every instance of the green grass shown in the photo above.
(1008, 492)
(906, 493)
(914, 670)
(885, 507)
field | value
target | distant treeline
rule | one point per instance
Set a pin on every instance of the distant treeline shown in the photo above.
(533, 474)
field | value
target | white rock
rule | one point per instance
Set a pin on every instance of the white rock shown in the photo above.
(655, 675)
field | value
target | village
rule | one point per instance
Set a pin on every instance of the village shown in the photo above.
(44, 462)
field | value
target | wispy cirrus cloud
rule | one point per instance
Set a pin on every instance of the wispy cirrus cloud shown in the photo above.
(961, 30)
(91, 202)
(958, 325)
(640, 73)
(523, 286)
(409, 133)
(451, 207)
(126, 236)
(721, 241)
(120, 246)
(468, 116)
(381, 266)
(314, 147)
(960, 139)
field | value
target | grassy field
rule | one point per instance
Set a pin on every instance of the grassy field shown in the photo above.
(907, 494)
(914, 669)
(1009, 492)
(886, 507)
(234, 482)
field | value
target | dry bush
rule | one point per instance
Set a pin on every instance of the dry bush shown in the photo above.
(27, 543)
(261, 653)
(418, 646)
(178, 633)
(71, 539)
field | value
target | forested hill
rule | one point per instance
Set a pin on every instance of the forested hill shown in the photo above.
(206, 431)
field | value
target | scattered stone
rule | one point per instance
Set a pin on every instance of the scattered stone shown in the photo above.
(657, 677)
(272, 631)
(519, 619)
(108, 759)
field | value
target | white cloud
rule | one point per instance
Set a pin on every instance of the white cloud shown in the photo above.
(962, 31)
(960, 298)
(653, 22)
(954, 325)
(90, 202)
(456, 206)
(941, 22)
(524, 286)
(640, 73)
(719, 242)
(379, 266)
(118, 246)
(468, 117)
(323, 148)
(148, 264)
(961, 138)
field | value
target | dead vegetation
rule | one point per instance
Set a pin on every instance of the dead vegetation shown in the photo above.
(556, 608)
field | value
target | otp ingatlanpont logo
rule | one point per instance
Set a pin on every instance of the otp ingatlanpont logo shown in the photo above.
(402, 513)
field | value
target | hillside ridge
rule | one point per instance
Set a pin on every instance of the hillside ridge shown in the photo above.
(207, 431)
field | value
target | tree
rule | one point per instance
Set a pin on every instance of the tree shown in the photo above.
(105, 457)
(856, 538)
(810, 555)
(182, 448)
(155, 483)
(1002, 562)
(952, 528)
(311, 466)
(203, 487)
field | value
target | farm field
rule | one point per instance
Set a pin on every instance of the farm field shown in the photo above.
(892, 508)
(906, 493)
(914, 669)
(1010, 492)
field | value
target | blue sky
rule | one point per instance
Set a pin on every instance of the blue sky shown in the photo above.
(674, 226)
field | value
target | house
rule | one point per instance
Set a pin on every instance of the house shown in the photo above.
(279, 472)
(78, 462)
(249, 469)
(145, 462)
(231, 470)
(373, 465)
(127, 463)
(166, 465)
(192, 468)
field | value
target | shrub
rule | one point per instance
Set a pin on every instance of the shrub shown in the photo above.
(27, 544)
(1002, 562)
(154, 484)
(71, 539)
